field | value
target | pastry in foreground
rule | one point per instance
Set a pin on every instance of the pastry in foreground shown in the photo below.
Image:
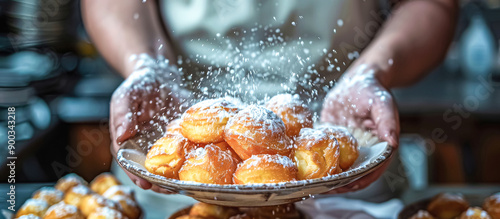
(75, 195)
(316, 154)
(205, 121)
(106, 213)
(422, 214)
(203, 210)
(103, 182)
(62, 210)
(492, 206)
(92, 202)
(208, 164)
(69, 181)
(257, 130)
(447, 205)
(292, 111)
(475, 213)
(49, 194)
(35, 207)
(174, 127)
(119, 190)
(286, 211)
(129, 207)
(29, 216)
(349, 150)
(167, 155)
(265, 168)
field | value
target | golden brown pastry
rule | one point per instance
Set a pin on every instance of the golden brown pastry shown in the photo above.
(208, 164)
(265, 168)
(257, 130)
(474, 213)
(106, 213)
(69, 181)
(422, 214)
(174, 127)
(103, 182)
(29, 216)
(205, 121)
(492, 206)
(128, 206)
(204, 210)
(36, 207)
(241, 216)
(49, 194)
(119, 190)
(225, 147)
(316, 154)
(349, 150)
(75, 195)
(292, 111)
(94, 201)
(62, 210)
(190, 217)
(447, 205)
(286, 211)
(167, 155)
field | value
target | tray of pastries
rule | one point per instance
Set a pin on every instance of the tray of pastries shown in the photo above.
(225, 152)
(73, 198)
(204, 211)
(453, 206)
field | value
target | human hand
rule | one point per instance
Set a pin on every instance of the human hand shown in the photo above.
(359, 100)
(145, 102)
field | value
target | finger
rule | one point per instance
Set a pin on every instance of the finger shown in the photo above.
(124, 120)
(143, 184)
(386, 119)
(162, 190)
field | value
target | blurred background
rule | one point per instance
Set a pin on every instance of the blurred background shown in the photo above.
(61, 89)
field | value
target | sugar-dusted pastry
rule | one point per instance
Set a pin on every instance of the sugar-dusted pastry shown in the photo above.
(36, 207)
(94, 201)
(257, 130)
(475, 213)
(103, 182)
(316, 154)
(167, 155)
(119, 190)
(75, 195)
(107, 213)
(422, 214)
(286, 211)
(174, 127)
(349, 151)
(492, 206)
(128, 206)
(265, 168)
(225, 147)
(447, 205)
(62, 210)
(69, 181)
(49, 194)
(208, 164)
(205, 121)
(212, 211)
(292, 111)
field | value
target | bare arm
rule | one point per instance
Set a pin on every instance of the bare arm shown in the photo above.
(415, 39)
(121, 28)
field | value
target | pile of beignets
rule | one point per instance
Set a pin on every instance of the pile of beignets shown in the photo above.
(450, 206)
(73, 198)
(208, 211)
(223, 141)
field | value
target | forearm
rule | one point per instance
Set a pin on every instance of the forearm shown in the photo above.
(121, 28)
(413, 41)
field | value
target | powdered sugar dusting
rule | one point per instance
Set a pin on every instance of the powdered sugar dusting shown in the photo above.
(256, 160)
(256, 116)
(38, 204)
(62, 210)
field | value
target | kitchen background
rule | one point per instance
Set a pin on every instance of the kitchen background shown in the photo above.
(61, 88)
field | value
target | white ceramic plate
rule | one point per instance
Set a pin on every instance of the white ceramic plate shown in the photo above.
(132, 154)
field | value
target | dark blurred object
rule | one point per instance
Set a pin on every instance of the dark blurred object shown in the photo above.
(35, 23)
